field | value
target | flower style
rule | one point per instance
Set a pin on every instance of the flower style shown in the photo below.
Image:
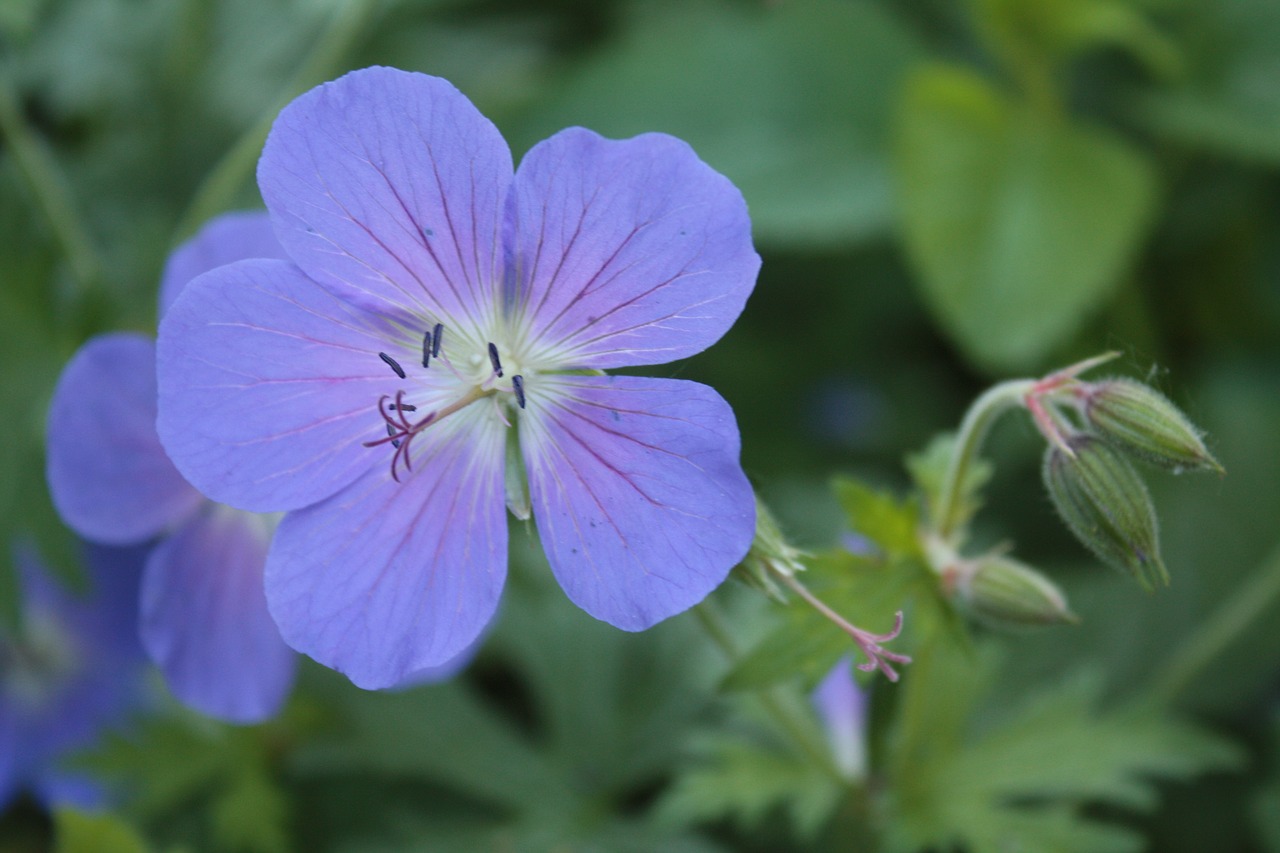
(204, 618)
(437, 343)
(73, 668)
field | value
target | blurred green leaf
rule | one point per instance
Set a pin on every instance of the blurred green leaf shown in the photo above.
(77, 832)
(1056, 31)
(1018, 222)
(882, 518)
(1019, 781)
(744, 781)
(1228, 100)
(791, 101)
(592, 719)
(191, 766)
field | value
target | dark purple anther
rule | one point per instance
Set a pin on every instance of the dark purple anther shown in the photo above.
(392, 363)
(395, 442)
(426, 349)
(517, 385)
(436, 337)
(493, 359)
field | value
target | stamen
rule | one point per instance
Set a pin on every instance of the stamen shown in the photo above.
(426, 349)
(517, 385)
(437, 336)
(493, 359)
(392, 363)
(404, 407)
(391, 431)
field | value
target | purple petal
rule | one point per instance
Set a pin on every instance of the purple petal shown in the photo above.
(205, 621)
(223, 240)
(386, 578)
(108, 474)
(268, 386)
(640, 500)
(842, 705)
(628, 252)
(389, 187)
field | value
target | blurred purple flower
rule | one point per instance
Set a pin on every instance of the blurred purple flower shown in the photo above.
(439, 343)
(204, 618)
(71, 669)
(842, 706)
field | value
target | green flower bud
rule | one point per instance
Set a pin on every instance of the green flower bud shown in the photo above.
(1142, 421)
(1106, 505)
(771, 556)
(1007, 594)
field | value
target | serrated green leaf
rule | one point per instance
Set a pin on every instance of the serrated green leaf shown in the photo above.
(1021, 782)
(1018, 222)
(744, 781)
(890, 523)
(791, 101)
(77, 832)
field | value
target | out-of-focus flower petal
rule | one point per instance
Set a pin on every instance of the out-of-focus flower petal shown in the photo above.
(205, 620)
(386, 578)
(389, 187)
(842, 705)
(637, 491)
(627, 252)
(108, 475)
(268, 386)
(224, 240)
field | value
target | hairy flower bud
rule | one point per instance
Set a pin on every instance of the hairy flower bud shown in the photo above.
(1142, 421)
(1106, 505)
(1007, 594)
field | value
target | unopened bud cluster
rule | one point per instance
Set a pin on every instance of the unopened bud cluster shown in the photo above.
(1094, 430)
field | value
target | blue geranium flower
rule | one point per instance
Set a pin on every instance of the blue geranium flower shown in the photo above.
(72, 667)
(204, 618)
(436, 344)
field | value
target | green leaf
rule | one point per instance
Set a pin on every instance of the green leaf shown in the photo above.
(1055, 31)
(745, 781)
(1020, 782)
(252, 812)
(792, 101)
(77, 832)
(1227, 100)
(1018, 222)
(890, 523)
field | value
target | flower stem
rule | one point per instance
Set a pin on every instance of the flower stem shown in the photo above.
(218, 189)
(973, 429)
(1231, 619)
(44, 179)
(775, 703)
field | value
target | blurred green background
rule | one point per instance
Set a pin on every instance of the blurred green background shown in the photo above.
(944, 193)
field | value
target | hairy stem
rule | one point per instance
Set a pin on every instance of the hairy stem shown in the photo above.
(973, 429)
